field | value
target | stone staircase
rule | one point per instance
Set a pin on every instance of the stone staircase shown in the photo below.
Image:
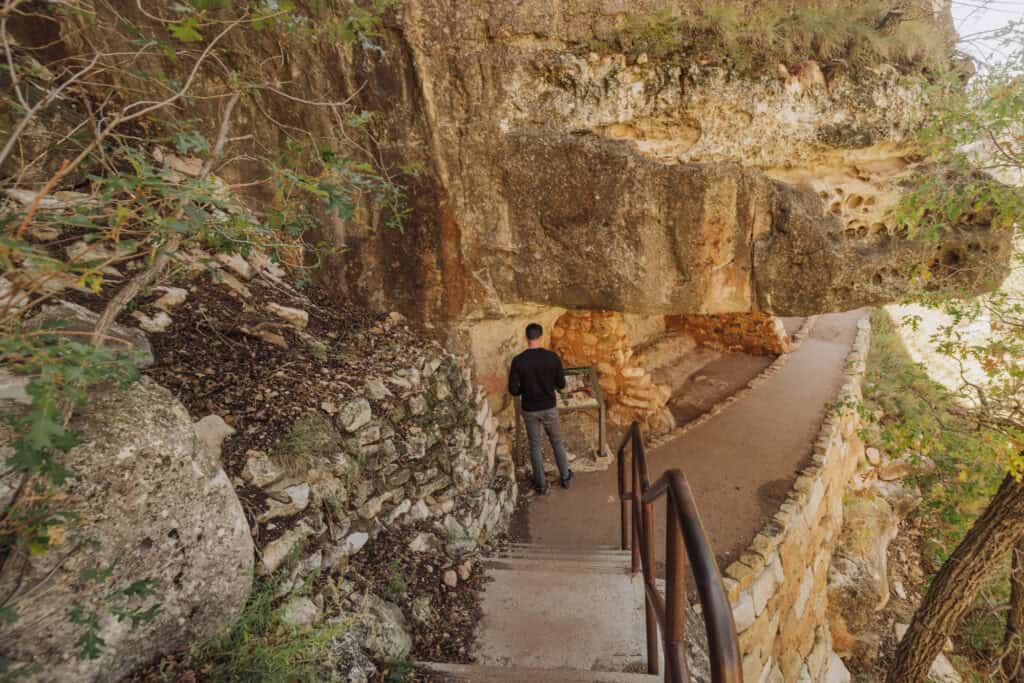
(475, 673)
(559, 614)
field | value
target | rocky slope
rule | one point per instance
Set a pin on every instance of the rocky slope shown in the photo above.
(340, 452)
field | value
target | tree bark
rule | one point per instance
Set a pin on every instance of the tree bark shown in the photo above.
(952, 594)
(1013, 661)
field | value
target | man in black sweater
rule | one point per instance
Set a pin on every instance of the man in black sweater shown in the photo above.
(535, 375)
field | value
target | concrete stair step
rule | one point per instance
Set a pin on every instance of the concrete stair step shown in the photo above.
(474, 673)
(568, 555)
(556, 565)
(597, 551)
(575, 548)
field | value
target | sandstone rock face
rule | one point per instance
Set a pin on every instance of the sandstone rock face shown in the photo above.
(557, 177)
(578, 180)
(155, 496)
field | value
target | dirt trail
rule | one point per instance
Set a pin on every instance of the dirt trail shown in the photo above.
(740, 464)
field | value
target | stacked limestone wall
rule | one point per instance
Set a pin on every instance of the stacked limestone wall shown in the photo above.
(600, 338)
(778, 586)
(754, 333)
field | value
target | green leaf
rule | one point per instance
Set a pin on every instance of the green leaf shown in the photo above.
(210, 4)
(178, 225)
(139, 589)
(191, 142)
(90, 645)
(186, 31)
(97, 574)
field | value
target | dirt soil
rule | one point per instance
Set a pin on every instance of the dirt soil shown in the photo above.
(399, 575)
(207, 360)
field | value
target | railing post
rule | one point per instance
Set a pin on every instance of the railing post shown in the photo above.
(675, 598)
(638, 538)
(623, 500)
(652, 620)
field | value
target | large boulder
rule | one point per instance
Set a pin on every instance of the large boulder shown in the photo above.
(65, 316)
(705, 238)
(154, 496)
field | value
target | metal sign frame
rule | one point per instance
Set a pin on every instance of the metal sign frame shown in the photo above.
(598, 403)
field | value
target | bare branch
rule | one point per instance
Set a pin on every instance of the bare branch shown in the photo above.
(163, 257)
(50, 97)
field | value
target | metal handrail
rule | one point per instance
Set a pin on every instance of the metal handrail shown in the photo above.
(685, 538)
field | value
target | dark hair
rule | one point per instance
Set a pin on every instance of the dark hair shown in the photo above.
(534, 331)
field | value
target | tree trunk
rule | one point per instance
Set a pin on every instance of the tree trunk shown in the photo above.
(1013, 662)
(952, 593)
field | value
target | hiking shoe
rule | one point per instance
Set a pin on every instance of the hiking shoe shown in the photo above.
(542, 490)
(567, 480)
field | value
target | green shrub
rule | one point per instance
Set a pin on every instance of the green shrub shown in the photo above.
(923, 416)
(309, 439)
(259, 647)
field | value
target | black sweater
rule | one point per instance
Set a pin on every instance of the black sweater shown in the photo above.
(535, 375)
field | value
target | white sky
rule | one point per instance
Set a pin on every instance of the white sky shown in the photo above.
(977, 16)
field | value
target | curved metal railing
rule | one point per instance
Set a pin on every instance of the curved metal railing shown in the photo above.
(685, 539)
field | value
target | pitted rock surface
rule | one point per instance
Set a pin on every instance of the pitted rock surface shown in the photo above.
(162, 508)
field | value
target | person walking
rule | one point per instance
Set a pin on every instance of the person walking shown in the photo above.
(536, 374)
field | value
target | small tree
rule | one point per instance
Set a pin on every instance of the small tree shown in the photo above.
(979, 127)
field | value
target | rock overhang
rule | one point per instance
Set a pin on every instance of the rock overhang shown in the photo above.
(573, 179)
(555, 175)
(600, 226)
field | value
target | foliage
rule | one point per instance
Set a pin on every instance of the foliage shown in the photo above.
(337, 21)
(908, 411)
(310, 437)
(974, 131)
(918, 415)
(400, 671)
(259, 647)
(123, 603)
(129, 113)
(398, 584)
(763, 35)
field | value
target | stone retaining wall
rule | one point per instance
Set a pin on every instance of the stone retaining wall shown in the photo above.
(754, 333)
(416, 445)
(778, 587)
(600, 338)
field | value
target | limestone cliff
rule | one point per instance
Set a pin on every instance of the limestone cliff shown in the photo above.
(555, 168)
(575, 179)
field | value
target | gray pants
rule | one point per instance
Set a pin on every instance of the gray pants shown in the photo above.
(548, 420)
